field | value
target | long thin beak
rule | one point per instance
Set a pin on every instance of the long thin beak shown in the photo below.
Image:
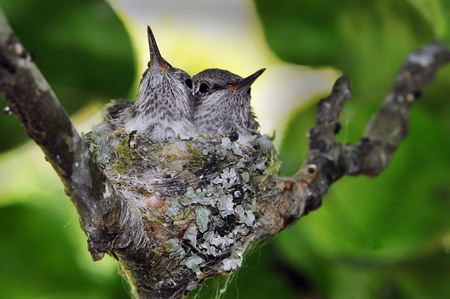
(155, 55)
(246, 82)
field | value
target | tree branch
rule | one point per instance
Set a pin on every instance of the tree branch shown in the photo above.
(391, 124)
(328, 160)
(193, 207)
(32, 100)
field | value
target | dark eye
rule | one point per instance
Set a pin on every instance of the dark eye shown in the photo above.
(188, 83)
(248, 91)
(204, 87)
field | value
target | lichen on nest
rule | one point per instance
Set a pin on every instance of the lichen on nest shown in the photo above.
(201, 194)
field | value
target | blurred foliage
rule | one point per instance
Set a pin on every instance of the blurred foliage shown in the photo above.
(81, 47)
(379, 237)
(84, 51)
(373, 238)
(39, 259)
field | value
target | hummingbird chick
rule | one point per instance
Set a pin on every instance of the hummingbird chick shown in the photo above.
(116, 113)
(223, 105)
(164, 103)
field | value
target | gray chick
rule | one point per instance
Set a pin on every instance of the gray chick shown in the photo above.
(164, 103)
(223, 105)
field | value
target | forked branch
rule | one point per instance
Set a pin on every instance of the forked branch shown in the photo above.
(328, 160)
(170, 236)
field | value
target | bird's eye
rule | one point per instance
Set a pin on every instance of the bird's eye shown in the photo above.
(188, 83)
(248, 91)
(204, 87)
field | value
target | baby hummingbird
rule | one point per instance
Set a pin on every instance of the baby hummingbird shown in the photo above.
(223, 105)
(164, 103)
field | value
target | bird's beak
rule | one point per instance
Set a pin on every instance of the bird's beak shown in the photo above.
(155, 56)
(246, 82)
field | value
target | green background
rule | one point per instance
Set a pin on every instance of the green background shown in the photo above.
(373, 238)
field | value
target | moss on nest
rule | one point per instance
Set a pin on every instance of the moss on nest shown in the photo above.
(202, 194)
